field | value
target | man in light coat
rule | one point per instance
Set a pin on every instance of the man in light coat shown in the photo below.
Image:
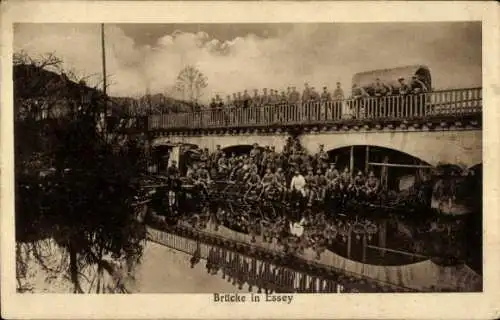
(298, 183)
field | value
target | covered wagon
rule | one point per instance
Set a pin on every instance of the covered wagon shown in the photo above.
(390, 77)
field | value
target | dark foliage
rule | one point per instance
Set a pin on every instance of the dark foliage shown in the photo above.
(75, 183)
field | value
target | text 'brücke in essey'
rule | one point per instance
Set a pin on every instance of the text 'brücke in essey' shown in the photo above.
(235, 297)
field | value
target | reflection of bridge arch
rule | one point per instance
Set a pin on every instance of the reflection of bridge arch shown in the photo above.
(432, 147)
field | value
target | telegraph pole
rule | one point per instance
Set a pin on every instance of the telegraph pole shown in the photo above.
(104, 82)
(103, 47)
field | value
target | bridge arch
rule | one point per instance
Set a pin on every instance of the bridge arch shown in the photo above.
(228, 140)
(432, 147)
(239, 149)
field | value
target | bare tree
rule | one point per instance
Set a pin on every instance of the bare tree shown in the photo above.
(55, 159)
(191, 82)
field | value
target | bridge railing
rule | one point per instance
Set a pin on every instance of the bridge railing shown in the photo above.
(447, 102)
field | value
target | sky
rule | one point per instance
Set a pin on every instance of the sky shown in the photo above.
(235, 57)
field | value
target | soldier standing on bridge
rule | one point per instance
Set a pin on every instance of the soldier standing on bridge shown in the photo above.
(326, 99)
(294, 96)
(404, 90)
(358, 94)
(306, 93)
(380, 90)
(338, 96)
(235, 99)
(417, 88)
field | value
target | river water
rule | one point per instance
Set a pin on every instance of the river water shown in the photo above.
(165, 270)
(162, 270)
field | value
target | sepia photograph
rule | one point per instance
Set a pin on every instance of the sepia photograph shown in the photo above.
(211, 158)
(248, 161)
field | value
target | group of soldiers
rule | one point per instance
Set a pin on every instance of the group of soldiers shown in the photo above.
(274, 97)
(309, 94)
(382, 89)
(291, 172)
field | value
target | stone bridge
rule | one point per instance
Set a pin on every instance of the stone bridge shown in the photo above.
(437, 127)
(433, 147)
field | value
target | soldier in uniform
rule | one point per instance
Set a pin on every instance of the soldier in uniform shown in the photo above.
(325, 95)
(345, 180)
(265, 97)
(192, 173)
(372, 185)
(255, 98)
(321, 156)
(203, 178)
(267, 181)
(381, 89)
(322, 184)
(332, 172)
(173, 171)
(246, 99)
(314, 95)
(253, 181)
(235, 100)
(338, 93)
(306, 93)
(294, 96)
(359, 184)
(255, 153)
(310, 178)
(222, 164)
(358, 94)
(403, 89)
(418, 87)
(217, 154)
(240, 100)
